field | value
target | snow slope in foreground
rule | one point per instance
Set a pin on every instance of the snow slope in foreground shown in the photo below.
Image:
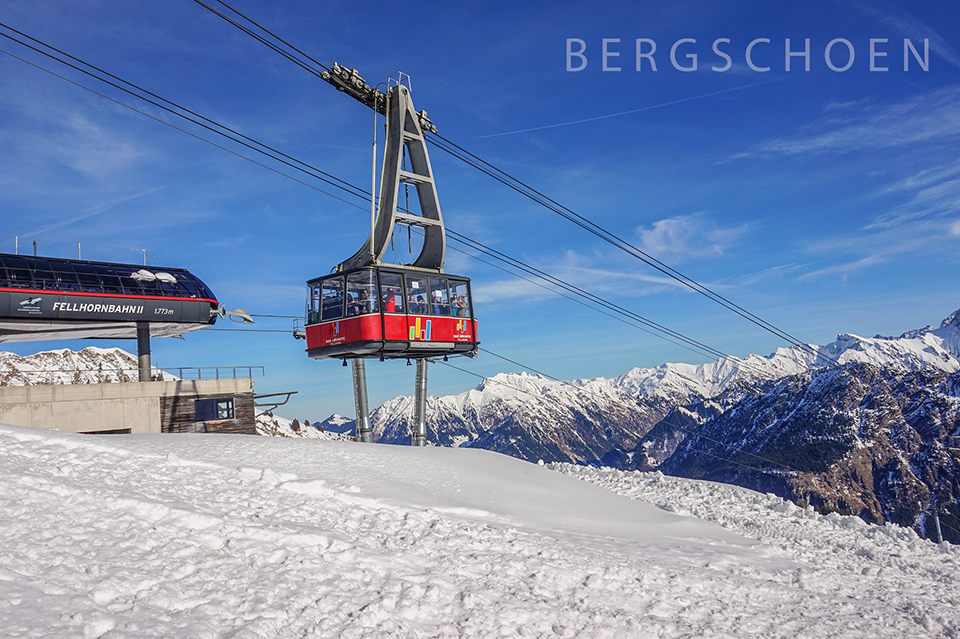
(249, 537)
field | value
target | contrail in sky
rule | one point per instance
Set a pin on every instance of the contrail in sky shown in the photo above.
(614, 115)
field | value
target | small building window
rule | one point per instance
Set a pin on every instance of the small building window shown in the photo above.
(209, 410)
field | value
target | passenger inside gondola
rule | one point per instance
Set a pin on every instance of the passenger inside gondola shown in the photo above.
(392, 302)
(391, 292)
(460, 306)
(365, 304)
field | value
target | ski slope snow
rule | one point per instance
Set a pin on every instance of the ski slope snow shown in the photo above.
(216, 536)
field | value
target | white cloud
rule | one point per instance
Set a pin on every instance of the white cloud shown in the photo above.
(932, 192)
(90, 149)
(687, 237)
(843, 270)
(594, 273)
(933, 117)
(874, 246)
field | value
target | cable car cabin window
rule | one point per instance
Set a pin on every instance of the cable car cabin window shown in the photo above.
(110, 280)
(43, 275)
(202, 289)
(46, 280)
(87, 275)
(169, 286)
(19, 278)
(417, 295)
(150, 287)
(188, 288)
(362, 293)
(391, 292)
(439, 298)
(459, 299)
(18, 275)
(68, 279)
(129, 285)
(313, 304)
(332, 294)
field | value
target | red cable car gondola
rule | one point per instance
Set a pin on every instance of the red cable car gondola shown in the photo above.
(389, 312)
(372, 309)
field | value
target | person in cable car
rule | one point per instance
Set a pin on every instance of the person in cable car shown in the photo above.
(390, 302)
(460, 306)
(364, 304)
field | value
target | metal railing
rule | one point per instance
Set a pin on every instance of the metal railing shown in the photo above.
(100, 375)
(190, 373)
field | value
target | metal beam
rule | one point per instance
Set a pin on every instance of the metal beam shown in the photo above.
(418, 434)
(364, 431)
(405, 139)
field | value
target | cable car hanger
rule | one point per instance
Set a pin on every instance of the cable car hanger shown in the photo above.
(405, 131)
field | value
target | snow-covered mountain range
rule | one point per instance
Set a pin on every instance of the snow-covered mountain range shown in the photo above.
(63, 366)
(859, 425)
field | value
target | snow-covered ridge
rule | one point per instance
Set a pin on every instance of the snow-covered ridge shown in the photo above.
(276, 426)
(63, 366)
(914, 350)
(678, 383)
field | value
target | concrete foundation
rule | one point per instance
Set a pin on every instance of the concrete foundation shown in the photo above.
(127, 407)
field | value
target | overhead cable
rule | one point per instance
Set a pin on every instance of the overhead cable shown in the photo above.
(580, 294)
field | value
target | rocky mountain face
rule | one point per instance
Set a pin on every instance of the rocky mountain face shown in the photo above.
(858, 438)
(529, 417)
(868, 434)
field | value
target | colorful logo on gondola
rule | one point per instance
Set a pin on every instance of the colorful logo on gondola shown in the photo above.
(418, 333)
(336, 328)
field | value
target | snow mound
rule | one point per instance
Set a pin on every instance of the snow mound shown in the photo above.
(201, 535)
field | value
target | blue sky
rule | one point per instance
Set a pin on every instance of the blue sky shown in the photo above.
(824, 201)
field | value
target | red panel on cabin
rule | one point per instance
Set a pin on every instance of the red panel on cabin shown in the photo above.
(352, 329)
(399, 327)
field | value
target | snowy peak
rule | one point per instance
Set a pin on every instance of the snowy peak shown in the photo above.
(337, 424)
(64, 366)
(921, 349)
(952, 320)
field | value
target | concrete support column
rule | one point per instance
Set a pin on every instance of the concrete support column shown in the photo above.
(418, 436)
(143, 350)
(364, 431)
